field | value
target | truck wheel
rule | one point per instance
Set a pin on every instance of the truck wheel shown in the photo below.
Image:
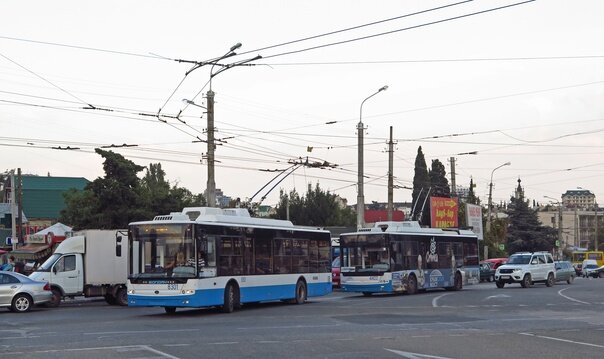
(21, 303)
(55, 300)
(110, 299)
(121, 297)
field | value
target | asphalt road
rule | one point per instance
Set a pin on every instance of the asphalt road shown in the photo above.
(481, 321)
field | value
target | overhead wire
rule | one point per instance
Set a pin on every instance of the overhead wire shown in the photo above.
(478, 59)
(45, 80)
(354, 27)
(398, 30)
(84, 48)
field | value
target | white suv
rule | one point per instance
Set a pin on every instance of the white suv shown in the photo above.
(527, 268)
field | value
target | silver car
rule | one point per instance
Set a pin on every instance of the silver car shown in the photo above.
(19, 293)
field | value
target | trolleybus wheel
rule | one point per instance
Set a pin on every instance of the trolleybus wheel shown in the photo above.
(458, 282)
(300, 292)
(412, 284)
(170, 310)
(229, 299)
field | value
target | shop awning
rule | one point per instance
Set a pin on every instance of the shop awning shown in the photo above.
(33, 251)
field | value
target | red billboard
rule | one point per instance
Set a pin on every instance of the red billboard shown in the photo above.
(444, 212)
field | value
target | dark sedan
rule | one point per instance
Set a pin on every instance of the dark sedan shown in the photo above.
(487, 272)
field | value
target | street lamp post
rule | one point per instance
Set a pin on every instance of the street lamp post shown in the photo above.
(491, 196)
(559, 222)
(360, 194)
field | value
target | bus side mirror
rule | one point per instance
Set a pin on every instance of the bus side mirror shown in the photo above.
(118, 246)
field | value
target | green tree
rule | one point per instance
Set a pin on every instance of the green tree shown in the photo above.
(438, 180)
(110, 202)
(525, 232)
(317, 208)
(421, 185)
(470, 199)
(159, 198)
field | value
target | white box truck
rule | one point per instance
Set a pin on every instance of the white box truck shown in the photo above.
(89, 263)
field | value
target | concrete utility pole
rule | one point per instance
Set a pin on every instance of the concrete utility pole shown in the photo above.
(19, 188)
(390, 177)
(453, 186)
(211, 184)
(596, 228)
(13, 210)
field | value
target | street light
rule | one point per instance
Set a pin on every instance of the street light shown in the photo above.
(491, 196)
(360, 195)
(189, 102)
(559, 222)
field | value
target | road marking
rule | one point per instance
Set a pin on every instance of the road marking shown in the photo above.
(497, 296)
(569, 298)
(562, 340)
(176, 345)
(158, 352)
(222, 343)
(141, 331)
(435, 300)
(123, 348)
(410, 355)
(291, 327)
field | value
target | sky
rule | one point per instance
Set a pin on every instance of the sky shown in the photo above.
(512, 81)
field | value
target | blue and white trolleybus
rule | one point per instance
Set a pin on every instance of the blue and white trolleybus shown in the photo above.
(396, 257)
(223, 257)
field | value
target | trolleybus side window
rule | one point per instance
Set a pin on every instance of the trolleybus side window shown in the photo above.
(410, 252)
(248, 256)
(282, 251)
(300, 255)
(470, 253)
(263, 251)
(324, 256)
(231, 256)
